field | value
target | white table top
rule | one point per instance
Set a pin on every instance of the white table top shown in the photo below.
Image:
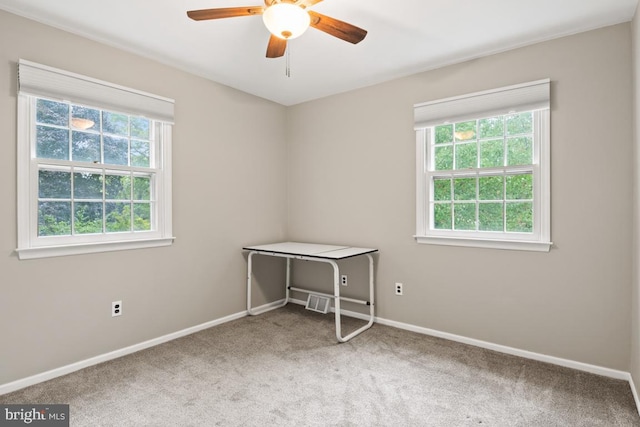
(313, 250)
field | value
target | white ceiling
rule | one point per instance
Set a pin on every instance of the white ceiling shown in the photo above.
(404, 37)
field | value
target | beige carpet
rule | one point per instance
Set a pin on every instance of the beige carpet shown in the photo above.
(285, 368)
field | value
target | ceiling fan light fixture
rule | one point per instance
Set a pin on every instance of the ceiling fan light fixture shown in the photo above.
(286, 21)
(83, 124)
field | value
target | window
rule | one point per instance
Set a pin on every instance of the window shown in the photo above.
(94, 165)
(483, 169)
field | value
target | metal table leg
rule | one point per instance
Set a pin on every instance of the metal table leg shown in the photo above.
(250, 310)
(337, 298)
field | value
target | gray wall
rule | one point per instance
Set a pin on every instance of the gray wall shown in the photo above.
(229, 182)
(352, 180)
(635, 300)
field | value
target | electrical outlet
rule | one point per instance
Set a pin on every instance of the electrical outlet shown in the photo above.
(343, 280)
(116, 308)
(398, 288)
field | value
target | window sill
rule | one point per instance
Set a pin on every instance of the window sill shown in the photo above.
(515, 245)
(88, 248)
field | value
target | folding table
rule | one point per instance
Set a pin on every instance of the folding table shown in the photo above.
(329, 254)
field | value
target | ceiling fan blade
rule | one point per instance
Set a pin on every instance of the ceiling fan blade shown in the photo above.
(337, 28)
(276, 47)
(307, 3)
(225, 12)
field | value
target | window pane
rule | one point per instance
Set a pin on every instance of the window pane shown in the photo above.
(85, 147)
(87, 185)
(52, 113)
(466, 155)
(490, 128)
(140, 153)
(464, 189)
(54, 184)
(140, 127)
(444, 158)
(116, 150)
(444, 134)
(519, 151)
(441, 189)
(117, 217)
(142, 216)
(520, 123)
(520, 217)
(52, 143)
(114, 123)
(465, 216)
(491, 153)
(490, 217)
(442, 216)
(520, 187)
(117, 187)
(87, 217)
(54, 218)
(85, 118)
(491, 188)
(141, 188)
(465, 131)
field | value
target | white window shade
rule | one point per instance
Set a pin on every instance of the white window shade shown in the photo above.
(521, 97)
(41, 80)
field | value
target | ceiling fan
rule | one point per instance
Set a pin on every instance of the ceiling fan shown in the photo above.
(286, 20)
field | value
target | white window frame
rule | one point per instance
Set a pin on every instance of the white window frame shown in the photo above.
(532, 96)
(41, 81)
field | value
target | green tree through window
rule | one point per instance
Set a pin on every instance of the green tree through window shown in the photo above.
(472, 189)
(75, 196)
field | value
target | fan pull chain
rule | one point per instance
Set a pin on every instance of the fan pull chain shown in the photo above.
(287, 71)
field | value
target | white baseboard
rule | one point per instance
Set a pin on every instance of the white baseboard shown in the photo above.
(54, 373)
(635, 393)
(268, 307)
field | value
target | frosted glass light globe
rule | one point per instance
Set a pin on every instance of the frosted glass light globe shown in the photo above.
(286, 20)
